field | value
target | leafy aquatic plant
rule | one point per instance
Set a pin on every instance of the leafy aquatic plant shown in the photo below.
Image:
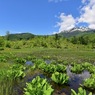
(77, 68)
(61, 68)
(81, 91)
(90, 82)
(38, 86)
(16, 71)
(39, 62)
(91, 69)
(86, 65)
(2, 59)
(20, 60)
(42, 66)
(60, 78)
(50, 68)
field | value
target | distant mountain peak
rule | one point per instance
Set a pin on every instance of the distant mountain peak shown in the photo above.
(78, 29)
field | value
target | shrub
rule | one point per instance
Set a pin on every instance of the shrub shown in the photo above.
(1, 48)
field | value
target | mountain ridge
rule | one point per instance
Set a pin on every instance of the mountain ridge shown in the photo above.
(76, 31)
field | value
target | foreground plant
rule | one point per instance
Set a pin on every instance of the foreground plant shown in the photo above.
(90, 82)
(77, 68)
(81, 91)
(49, 68)
(91, 69)
(2, 59)
(38, 86)
(6, 83)
(61, 68)
(60, 78)
(20, 60)
(16, 71)
(86, 65)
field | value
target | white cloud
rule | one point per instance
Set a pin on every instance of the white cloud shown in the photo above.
(66, 22)
(88, 14)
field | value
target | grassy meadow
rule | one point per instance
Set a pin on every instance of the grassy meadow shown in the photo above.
(58, 67)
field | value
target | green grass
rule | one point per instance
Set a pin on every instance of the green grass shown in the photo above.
(59, 54)
(69, 55)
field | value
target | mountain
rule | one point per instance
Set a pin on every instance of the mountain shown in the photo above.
(76, 31)
(20, 36)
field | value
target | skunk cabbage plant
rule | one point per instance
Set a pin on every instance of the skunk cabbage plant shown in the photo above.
(86, 65)
(20, 60)
(60, 78)
(16, 71)
(38, 86)
(90, 82)
(61, 68)
(77, 68)
(81, 91)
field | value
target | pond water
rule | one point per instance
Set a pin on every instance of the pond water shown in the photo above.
(48, 61)
(74, 81)
(29, 63)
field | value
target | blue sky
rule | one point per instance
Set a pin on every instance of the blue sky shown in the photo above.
(45, 16)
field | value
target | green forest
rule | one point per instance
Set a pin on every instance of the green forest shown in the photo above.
(28, 40)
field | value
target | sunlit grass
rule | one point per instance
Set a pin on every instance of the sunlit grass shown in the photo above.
(53, 53)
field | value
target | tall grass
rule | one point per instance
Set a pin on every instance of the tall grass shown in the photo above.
(6, 83)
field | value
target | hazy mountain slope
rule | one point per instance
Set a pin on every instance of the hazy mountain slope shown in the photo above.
(20, 36)
(76, 32)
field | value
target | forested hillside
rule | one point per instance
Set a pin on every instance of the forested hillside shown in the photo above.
(47, 41)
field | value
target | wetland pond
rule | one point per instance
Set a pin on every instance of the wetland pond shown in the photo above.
(74, 81)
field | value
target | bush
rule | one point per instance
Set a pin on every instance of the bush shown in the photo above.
(8, 44)
(2, 42)
(1, 48)
(17, 47)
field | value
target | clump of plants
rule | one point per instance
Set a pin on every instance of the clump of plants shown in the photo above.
(77, 68)
(38, 86)
(86, 65)
(81, 91)
(38, 62)
(60, 78)
(90, 82)
(20, 60)
(61, 68)
(16, 71)
(91, 69)
(17, 46)
(6, 83)
(3, 59)
(50, 68)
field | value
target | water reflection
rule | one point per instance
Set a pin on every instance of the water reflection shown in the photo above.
(74, 82)
(29, 63)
